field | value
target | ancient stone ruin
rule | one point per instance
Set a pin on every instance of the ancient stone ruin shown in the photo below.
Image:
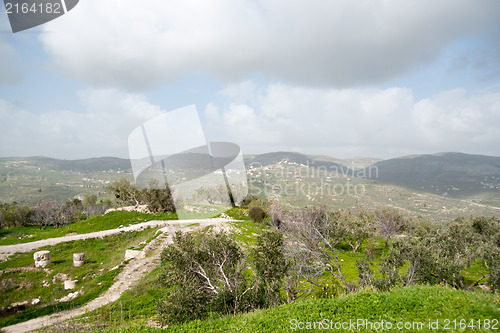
(78, 259)
(42, 258)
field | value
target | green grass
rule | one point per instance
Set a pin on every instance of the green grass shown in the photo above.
(410, 304)
(137, 304)
(246, 231)
(238, 214)
(94, 277)
(473, 273)
(108, 221)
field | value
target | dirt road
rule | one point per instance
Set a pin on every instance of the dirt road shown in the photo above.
(144, 263)
(8, 250)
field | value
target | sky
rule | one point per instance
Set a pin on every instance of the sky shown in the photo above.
(343, 78)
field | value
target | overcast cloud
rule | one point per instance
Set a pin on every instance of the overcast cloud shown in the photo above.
(376, 78)
(136, 45)
(336, 122)
(66, 134)
(359, 122)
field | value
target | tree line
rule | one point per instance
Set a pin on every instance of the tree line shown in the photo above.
(56, 214)
(51, 213)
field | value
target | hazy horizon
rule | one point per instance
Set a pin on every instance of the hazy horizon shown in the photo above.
(270, 152)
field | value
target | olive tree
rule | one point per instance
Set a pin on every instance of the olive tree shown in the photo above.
(312, 239)
(389, 222)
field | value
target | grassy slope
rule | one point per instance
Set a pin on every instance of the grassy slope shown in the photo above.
(94, 278)
(410, 304)
(97, 223)
(139, 304)
(101, 256)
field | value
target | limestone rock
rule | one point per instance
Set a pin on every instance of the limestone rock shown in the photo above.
(130, 254)
(59, 277)
(70, 284)
(69, 297)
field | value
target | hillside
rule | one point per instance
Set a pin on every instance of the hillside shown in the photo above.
(301, 185)
(440, 186)
(447, 174)
(417, 306)
(30, 180)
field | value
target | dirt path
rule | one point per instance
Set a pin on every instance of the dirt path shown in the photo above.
(144, 263)
(8, 250)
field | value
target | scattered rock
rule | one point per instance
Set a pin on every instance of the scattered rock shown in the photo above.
(485, 287)
(20, 305)
(91, 276)
(24, 269)
(45, 284)
(131, 254)
(138, 208)
(59, 277)
(7, 284)
(70, 284)
(25, 284)
(225, 216)
(69, 297)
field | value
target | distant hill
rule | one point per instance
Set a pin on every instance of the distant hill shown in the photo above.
(83, 165)
(32, 179)
(449, 174)
(454, 176)
(272, 158)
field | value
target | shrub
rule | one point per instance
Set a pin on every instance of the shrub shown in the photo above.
(208, 273)
(256, 213)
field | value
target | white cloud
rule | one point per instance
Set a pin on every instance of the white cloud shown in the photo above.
(359, 122)
(336, 43)
(101, 130)
(337, 122)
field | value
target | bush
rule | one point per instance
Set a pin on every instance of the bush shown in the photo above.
(208, 273)
(256, 213)
(245, 203)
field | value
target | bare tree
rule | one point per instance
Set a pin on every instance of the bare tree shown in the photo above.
(312, 238)
(354, 227)
(48, 213)
(389, 223)
(275, 212)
